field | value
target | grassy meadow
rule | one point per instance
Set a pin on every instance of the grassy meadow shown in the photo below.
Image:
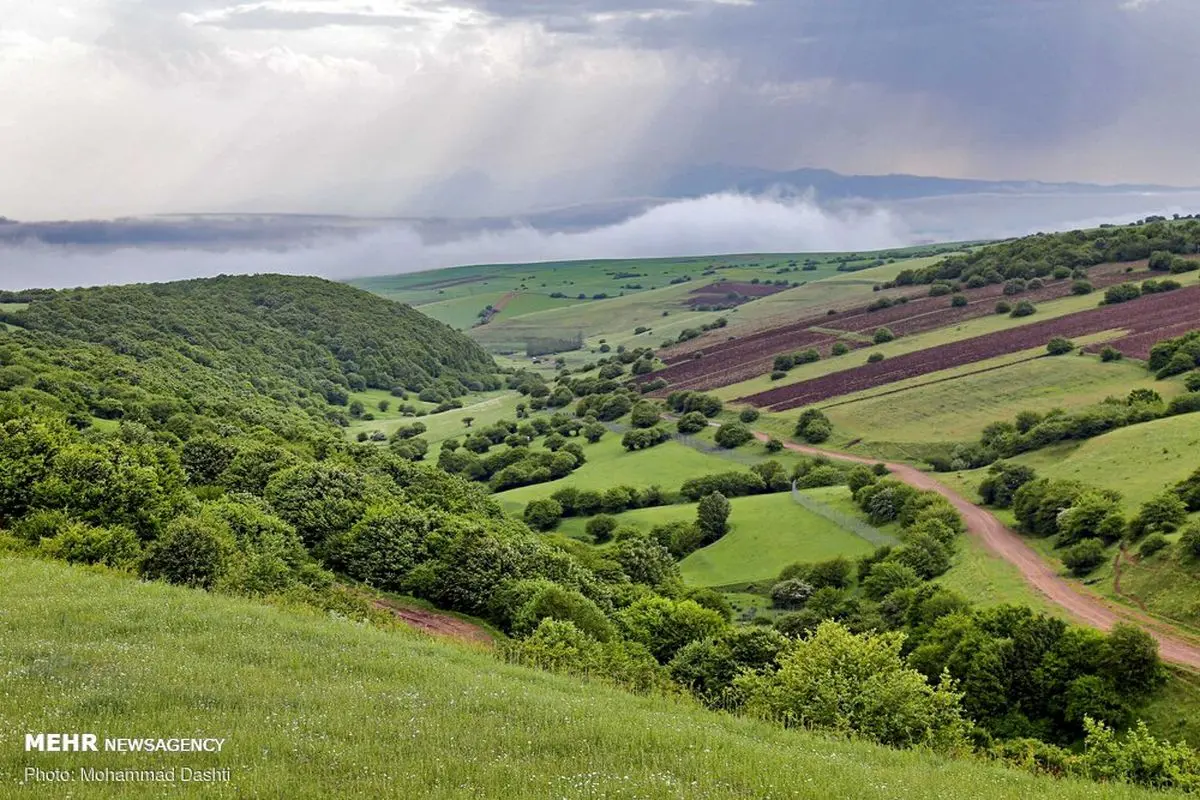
(317, 707)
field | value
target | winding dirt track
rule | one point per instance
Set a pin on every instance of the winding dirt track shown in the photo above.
(981, 524)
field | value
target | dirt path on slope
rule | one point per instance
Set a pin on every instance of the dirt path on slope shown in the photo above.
(437, 624)
(1037, 573)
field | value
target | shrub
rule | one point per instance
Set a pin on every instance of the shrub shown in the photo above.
(1083, 557)
(748, 415)
(883, 335)
(1023, 309)
(790, 594)
(1121, 293)
(778, 375)
(644, 414)
(1059, 346)
(774, 445)
(543, 515)
(783, 363)
(1164, 513)
(1110, 353)
(840, 349)
(1152, 544)
(601, 528)
(808, 356)
(1003, 307)
(813, 426)
(958, 301)
(691, 422)
(1189, 541)
(192, 552)
(856, 683)
(874, 358)
(733, 434)
(1081, 287)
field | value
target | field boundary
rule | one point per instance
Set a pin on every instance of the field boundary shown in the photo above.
(859, 528)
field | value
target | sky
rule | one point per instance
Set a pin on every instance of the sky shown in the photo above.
(394, 107)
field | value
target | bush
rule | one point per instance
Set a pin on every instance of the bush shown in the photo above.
(644, 414)
(1083, 557)
(1003, 307)
(774, 445)
(840, 349)
(813, 426)
(1023, 309)
(1121, 293)
(777, 375)
(790, 594)
(193, 552)
(1191, 382)
(601, 528)
(733, 434)
(958, 301)
(883, 335)
(1081, 287)
(748, 415)
(874, 358)
(543, 515)
(691, 422)
(1110, 353)
(643, 438)
(1189, 541)
(1152, 544)
(1059, 346)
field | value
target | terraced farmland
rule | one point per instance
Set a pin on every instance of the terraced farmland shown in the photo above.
(1148, 314)
(734, 360)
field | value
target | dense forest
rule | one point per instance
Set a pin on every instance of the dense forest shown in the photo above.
(1163, 242)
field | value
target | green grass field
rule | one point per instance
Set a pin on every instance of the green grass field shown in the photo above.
(609, 464)
(1138, 461)
(955, 405)
(315, 707)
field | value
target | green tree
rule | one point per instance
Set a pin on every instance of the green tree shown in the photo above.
(838, 681)
(732, 435)
(543, 515)
(712, 516)
(601, 528)
(691, 422)
(192, 552)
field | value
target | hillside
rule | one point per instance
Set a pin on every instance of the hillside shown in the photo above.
(314, 707)
(219, 346)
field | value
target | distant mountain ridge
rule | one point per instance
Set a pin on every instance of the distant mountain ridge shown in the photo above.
(698, 181)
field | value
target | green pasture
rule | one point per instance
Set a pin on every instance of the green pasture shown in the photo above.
(313, 707)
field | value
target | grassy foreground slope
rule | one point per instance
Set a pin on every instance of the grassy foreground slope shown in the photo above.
(315, 707)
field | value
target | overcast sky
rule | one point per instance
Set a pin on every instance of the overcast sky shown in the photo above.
(111, 107)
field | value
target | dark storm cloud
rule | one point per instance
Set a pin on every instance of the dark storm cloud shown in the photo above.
(1022, 73)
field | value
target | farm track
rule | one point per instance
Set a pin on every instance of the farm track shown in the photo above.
(437, 624)
(1147, 314)
(1001, 541)
(742, 358)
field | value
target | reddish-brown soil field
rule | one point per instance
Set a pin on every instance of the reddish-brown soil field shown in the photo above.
(717, 294)
(734, 359)
(1147, 314)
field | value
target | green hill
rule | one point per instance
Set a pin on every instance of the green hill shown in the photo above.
(217, 347)
(319, 707)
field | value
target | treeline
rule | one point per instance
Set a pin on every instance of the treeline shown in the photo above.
(1084, 521)
(1059, 254)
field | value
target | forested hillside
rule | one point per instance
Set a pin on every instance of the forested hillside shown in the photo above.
(247, 350)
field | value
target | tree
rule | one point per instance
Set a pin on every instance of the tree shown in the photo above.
(601, 528)
(1131, 660)
(958, 301)
(1083, 557)
(791, 594)
(732, 435)
(319, 500)
(543, 515)
(1121, 293)
(839, 349)
(1161, 514)
(712, 516)
(887, 577)
(192, 552)
(691, 422)
(748, 415)
(883, 335)
(593, 432)
(644, 415)
(466, 421)
(838, 681)
(774, 445)
(813, 426)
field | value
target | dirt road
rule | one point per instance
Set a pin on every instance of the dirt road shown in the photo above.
(437, 624)
(981, 524)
